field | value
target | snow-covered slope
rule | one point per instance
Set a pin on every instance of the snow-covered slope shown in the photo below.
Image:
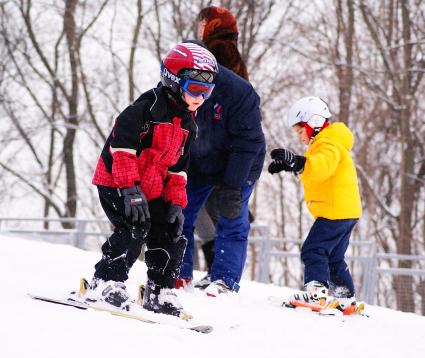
(246, 325)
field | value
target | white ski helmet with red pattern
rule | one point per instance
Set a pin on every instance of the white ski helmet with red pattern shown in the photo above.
(187, 61)
(311, 110)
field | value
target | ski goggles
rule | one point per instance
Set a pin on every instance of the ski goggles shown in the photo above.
(196, 89)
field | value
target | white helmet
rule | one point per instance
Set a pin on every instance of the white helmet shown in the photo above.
(311, 110)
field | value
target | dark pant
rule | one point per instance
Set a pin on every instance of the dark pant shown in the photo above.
(323, 255)
(206, 226)
(231, 240)
(121, 250)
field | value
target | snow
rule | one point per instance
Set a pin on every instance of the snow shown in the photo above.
(246, 324)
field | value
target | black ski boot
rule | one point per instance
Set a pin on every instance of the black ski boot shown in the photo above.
(112, 292)
(163, 300)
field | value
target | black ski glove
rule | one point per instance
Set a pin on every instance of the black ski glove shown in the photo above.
(229, 201)
(135, 205)
(277, 166)
(284, 159)
(175, 216)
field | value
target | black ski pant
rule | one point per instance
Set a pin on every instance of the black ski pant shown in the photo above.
(165, 249)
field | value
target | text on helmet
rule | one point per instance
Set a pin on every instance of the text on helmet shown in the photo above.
(170, 75)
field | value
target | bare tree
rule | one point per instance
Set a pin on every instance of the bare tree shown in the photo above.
(390, 28)
(33, 58)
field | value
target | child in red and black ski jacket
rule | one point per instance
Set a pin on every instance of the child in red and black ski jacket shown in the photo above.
(141, 179)
(148, 146)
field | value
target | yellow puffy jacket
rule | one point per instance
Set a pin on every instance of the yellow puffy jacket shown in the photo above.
(330, 179)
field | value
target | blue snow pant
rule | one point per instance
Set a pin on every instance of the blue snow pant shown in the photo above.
(323, 255)
(231, 237)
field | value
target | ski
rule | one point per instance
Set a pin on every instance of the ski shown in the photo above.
(330, 309)
(121, 313)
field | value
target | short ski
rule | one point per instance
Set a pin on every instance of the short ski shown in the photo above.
(330, 309)
(121, 313)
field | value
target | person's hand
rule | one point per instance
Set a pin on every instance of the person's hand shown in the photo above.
(277, 166)
(229, 201)
(175, 216)
(286, 160)
(136, 206)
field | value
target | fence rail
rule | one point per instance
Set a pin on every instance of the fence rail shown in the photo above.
(55, 230)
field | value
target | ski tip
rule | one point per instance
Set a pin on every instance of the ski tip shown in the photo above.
(313, 306)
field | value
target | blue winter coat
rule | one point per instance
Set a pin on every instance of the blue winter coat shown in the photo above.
(230, 147)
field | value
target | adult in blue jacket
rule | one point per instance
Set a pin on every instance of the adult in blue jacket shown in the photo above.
(228, 154)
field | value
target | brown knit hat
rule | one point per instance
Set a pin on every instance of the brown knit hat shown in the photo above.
(217, 18)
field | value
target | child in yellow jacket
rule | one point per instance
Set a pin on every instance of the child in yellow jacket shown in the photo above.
(332, 196)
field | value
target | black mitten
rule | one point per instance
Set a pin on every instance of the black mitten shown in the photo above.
(175, 216)
(286, 160)
(277, 166)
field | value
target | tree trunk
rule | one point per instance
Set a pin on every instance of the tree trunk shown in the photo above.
(134, 41)
(405, 300)
(72, 120)
(344, 66)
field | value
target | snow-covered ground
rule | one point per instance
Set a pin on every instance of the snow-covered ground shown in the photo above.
(246, 324)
